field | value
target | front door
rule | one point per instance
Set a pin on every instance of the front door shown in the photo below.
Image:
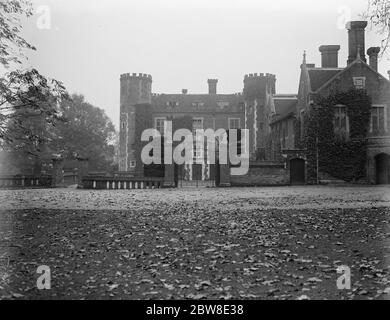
(382, 169)
(297, 171)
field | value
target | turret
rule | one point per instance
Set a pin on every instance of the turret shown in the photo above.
(257, 85)
(135, 92)
(257, 90)
(135, 89)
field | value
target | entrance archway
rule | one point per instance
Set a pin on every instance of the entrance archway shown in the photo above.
(297, 172)
(382, 166)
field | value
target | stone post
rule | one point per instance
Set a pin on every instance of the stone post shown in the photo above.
(58, 173)
(371, 172)
(169, 176)
(83, 166)
(224, 175)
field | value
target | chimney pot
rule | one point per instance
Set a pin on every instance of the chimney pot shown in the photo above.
(373, 57)
(212, 86)
(356, 40)
(184, 91)
(330, 56)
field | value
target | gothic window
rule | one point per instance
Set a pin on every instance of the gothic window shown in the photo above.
(341, 125)
(123, 125)
(234, 123)
(378, 119)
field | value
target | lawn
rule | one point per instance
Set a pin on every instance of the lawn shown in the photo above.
(276, 243)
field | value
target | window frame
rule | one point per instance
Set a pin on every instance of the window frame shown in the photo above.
(155, 124)
(338, 129)
(378, 106)
(356, 85)
(239, 123)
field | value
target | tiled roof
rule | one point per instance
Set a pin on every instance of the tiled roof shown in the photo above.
(284, 107)
(319, 76)
(198, 102)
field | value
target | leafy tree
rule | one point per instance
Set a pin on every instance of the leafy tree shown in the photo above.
(86, 132)
(378, 13)
(24, 94)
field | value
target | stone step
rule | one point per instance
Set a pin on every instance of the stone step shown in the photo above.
(332, 181)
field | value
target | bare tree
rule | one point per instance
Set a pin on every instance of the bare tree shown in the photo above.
(378, 14)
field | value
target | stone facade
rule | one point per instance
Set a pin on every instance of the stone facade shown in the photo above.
(263, 174)
(140, 110)
(288, 127)
(275, 121)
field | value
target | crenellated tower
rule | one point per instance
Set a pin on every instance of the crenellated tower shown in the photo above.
(135, 89)
(258, 91)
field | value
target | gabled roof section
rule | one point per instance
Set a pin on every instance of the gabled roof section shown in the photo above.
(320, 76)
(350, 66)
(285, 106)
(197, 102)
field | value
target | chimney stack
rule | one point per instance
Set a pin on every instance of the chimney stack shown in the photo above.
(212, 86)
(330, 56)
(356, 40)
(373, 57)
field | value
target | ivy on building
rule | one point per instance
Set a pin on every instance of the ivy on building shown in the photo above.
(343, 159)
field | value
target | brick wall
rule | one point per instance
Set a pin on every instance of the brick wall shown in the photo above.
(263, 174)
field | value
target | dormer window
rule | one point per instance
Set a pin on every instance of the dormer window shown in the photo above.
(172, 104)
(197, 104)
(359, 82)
(222, 104)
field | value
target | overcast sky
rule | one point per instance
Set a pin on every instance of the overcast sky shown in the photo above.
(182, 43)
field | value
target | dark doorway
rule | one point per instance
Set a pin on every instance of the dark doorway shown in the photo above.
(382, 162)
(297, 171)
(196, 172)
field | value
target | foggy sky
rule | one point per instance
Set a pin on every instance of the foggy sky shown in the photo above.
(183, 43)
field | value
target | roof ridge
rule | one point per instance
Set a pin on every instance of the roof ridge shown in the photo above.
(356, 61)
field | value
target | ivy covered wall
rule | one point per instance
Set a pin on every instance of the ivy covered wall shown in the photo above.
(343, 159)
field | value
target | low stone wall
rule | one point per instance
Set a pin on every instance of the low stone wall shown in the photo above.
(118, 183)
(27, 181)
(263, 174)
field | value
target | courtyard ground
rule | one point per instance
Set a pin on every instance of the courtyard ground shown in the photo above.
(255, 243)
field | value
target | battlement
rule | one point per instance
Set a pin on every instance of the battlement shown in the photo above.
(139, 76)
(260, 75)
